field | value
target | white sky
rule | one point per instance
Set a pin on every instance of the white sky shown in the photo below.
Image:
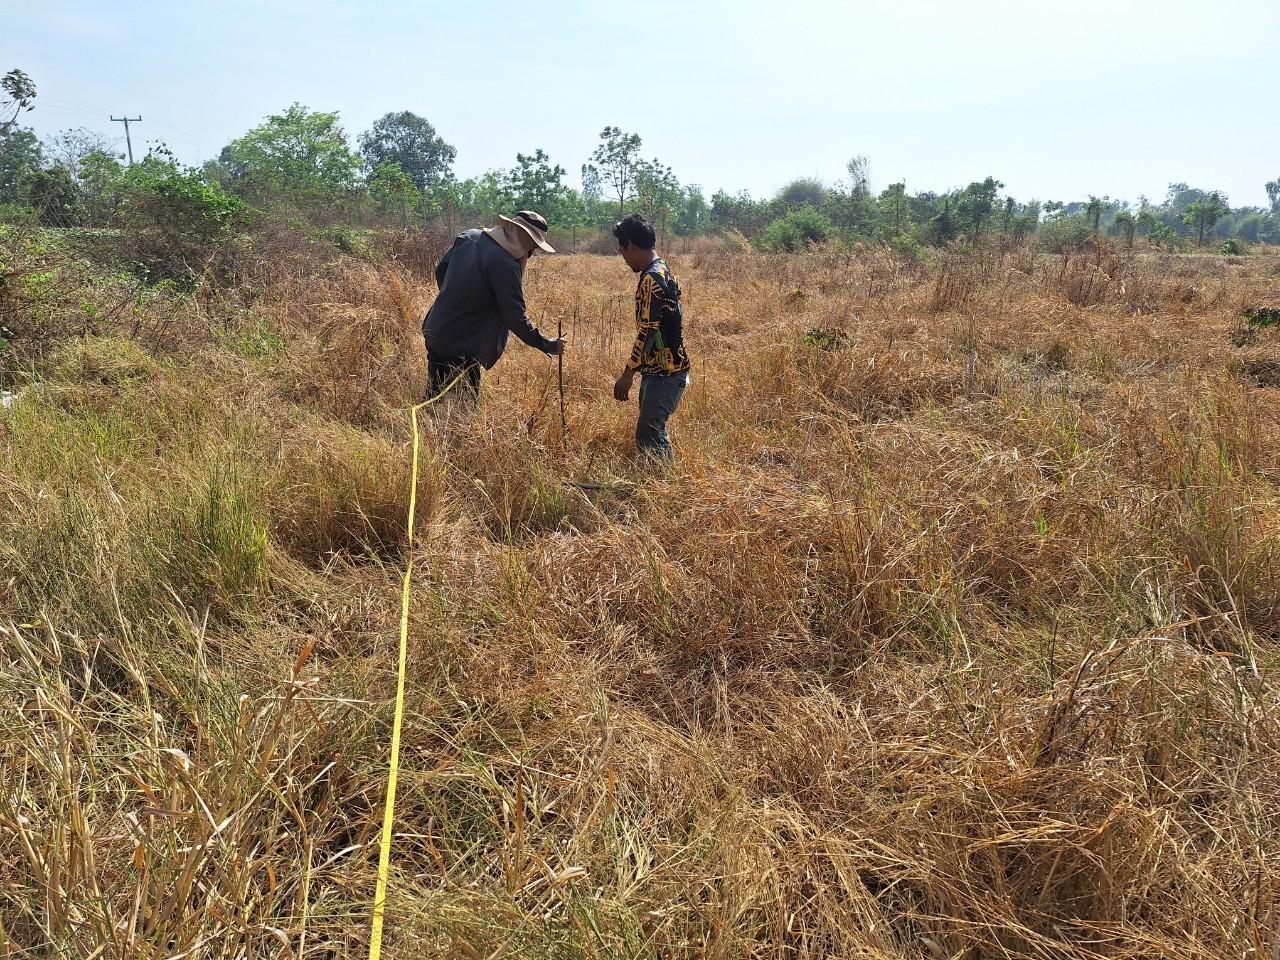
(1057, 100)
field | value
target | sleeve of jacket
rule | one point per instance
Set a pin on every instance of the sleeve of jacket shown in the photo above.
(443, 266)
(648, 317)
(506, 280)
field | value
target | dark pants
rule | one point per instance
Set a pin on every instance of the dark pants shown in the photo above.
(659, 396)
(443, 370)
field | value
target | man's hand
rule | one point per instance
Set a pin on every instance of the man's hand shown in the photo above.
(622, 389)
(557, 347)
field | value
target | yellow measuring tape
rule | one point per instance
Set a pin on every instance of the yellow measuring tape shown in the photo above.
(388, 814)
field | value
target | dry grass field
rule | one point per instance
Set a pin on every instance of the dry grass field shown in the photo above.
(951, 634)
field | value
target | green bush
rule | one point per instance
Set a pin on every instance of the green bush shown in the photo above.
(174, 219)
(1070, 234)
(906, 247)
(1232, 246)
(797, 230)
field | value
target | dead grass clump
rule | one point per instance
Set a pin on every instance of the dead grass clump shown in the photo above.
(337, 491)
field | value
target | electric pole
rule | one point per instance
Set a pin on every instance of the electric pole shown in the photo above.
(128, 142)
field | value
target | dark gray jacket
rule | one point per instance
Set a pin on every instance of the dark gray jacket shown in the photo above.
(480, 300)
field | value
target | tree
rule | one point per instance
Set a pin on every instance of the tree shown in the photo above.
(410, 142)
(859, 169)
(100, 180)
(535, 183)
(54, 196)
(614, 164)
(392, 188)
(20, 156)
(1250, 226)
(861, 214)
(896, 207)
(1126, 225)
(1093, 210)
(70, 147)
(804, 192)
(740, 212)
(977, 201)
(942, 226)
(1273, 194)
(301, 154)
(694, 216)
(19, 91)
(658, 192)
(1201, 214)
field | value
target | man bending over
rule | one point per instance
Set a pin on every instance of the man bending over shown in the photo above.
(481, 298)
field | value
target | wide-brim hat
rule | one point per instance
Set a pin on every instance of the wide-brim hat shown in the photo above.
(534, 224)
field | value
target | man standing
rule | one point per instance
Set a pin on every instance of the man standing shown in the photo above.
(658, 353)
(480, 300)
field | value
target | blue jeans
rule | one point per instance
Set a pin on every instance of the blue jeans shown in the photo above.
(659, 396)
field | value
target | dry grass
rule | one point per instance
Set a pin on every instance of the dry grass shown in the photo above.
(951, 635)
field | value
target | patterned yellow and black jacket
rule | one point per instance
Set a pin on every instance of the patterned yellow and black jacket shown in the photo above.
(659, 347)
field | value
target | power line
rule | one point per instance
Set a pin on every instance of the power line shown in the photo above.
(126, 121)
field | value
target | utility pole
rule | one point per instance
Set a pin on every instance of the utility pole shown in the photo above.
(126, 121)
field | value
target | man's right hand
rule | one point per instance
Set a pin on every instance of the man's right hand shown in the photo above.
(557, 347)
(622, 388)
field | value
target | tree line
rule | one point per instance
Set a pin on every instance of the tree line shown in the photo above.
(400, 172)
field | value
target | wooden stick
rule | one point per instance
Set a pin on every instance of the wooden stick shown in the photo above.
(564, 428)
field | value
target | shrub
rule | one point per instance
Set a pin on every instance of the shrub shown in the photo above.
(1068, 235)
(906, 247)
(797, 230)
(1232, 246)
(174, 219)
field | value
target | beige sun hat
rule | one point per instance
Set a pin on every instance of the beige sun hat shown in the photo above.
(534, 224)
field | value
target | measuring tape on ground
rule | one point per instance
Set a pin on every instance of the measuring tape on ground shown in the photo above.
(393, 773)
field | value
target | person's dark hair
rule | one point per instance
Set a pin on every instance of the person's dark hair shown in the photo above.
(635, 229)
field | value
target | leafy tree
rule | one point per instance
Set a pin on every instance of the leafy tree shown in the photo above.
(53, 194)
(977, 202)
(615, 164)
(299, 153)
(392, 189)
(942, 227)
(797, 230)
(1273, 194)
(409, 141)
(859, 169)
(695, 215)
(20, 156)
(1162, 235)
(737, 212)
(535, 183)
(1146, 220)
(1250, 226)
(658, 192)
(100, 178)
(1125, 225)
(859, 214)
(1094, 212)
(19, 91)
(70, 147)
(481, 196)
(804, 192)
(896, 208)
(1202, 213)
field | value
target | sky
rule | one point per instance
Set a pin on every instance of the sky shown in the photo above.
(1058, 101)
